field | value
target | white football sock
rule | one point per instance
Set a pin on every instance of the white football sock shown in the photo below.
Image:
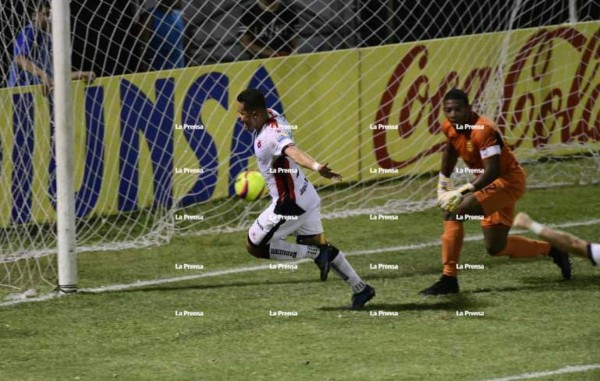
(595, 253)
(282, 250)
(344, 270)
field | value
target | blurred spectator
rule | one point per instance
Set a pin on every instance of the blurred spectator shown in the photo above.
(105, 36)
(269, 29)
(11, 15)
(163, 33)
(32, 64)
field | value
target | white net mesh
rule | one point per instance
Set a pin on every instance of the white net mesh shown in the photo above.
(158, 145)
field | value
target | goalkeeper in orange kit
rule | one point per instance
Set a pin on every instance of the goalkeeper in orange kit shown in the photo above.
(490, 197)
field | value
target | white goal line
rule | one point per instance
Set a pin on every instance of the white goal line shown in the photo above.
(568, 369)
(234, 270)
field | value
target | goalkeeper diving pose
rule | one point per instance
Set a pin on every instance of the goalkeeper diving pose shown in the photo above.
(295, 206)
(563, 240)
(490, 197)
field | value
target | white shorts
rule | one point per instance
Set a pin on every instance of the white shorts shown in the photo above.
(270, 226)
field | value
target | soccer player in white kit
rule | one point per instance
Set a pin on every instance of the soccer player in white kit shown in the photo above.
(295, 206)
(562, 240)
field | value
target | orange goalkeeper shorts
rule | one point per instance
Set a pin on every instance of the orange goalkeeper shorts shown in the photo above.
(499, 198)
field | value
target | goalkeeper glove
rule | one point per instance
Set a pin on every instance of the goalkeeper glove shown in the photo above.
(451, 200)
(444, 185)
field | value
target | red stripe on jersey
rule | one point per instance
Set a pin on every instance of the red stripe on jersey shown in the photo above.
(272, 121)
(284, 181)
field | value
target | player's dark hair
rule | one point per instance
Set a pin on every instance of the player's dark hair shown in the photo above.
(252, 99)
(457, 95)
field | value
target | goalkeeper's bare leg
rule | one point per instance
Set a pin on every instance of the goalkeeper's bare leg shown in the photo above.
(564, 241)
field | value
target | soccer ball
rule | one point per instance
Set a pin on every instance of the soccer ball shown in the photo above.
(250, 185)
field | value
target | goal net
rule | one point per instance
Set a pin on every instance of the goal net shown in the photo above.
(158, 146)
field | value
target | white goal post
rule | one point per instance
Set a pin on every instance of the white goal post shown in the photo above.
(65, 168)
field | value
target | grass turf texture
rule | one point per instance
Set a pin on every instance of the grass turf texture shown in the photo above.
(533, 321)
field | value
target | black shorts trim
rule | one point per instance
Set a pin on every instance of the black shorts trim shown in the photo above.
(267, 238)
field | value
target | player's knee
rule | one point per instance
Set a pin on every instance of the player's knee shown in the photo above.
(258, 251)
(316, 239)
(334, 252)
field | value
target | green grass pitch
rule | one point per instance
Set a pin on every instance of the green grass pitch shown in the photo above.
(532, 320)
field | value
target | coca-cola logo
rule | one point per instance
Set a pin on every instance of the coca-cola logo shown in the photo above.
(549, 106)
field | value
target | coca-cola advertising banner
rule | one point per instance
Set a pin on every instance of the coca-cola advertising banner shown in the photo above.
(541, 86)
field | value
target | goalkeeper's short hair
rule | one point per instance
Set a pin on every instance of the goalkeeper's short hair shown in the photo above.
(457, 95)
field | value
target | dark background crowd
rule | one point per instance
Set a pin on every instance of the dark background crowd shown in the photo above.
(112, 37)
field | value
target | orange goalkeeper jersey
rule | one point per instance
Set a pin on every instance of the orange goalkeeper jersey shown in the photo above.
(478, 141)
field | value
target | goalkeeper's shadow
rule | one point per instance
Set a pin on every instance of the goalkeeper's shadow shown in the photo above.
(439, 303)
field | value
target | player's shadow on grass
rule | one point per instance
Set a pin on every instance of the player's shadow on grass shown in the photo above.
(439, 303)
(230, 284)
(205, 286)
(544, 284)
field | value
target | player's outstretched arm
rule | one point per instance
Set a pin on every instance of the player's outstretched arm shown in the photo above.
(303, 159)
(562, 240)
(33, 69)
(87, 76)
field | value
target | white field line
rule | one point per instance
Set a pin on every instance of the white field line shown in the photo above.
(568, 369)
(234, 270)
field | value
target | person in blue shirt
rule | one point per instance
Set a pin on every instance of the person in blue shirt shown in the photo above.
(32, 63)
(164, 32)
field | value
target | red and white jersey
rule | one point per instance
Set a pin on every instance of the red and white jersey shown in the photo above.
(292, 192)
